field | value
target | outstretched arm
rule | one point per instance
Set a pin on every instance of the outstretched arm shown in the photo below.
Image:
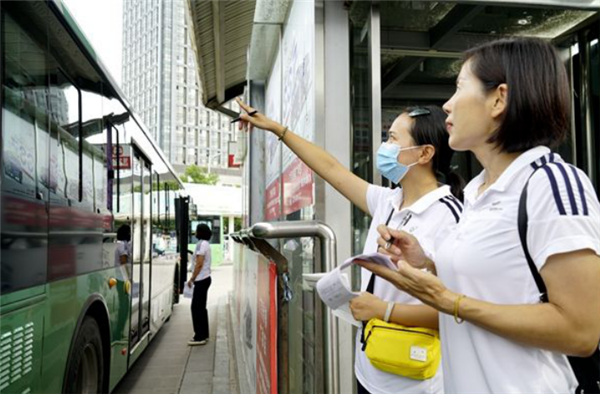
(320, 161)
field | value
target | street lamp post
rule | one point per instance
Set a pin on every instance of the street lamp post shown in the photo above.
(210, 157)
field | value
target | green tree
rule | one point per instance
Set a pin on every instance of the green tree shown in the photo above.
(196, 174)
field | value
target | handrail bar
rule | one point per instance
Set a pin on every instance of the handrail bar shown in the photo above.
(328, 253)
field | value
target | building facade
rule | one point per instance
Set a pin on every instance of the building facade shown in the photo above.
(161, 80)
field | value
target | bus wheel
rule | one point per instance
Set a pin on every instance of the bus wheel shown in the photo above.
(86, 364)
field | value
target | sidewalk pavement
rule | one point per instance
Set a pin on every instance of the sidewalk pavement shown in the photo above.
(170, 366)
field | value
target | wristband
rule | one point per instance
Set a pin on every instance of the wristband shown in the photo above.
(283, 134)
(457, 319)
(388, 311)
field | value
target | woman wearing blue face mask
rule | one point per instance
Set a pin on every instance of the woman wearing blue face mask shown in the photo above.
(416, 157)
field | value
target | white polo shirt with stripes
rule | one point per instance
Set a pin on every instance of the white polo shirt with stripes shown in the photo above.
(430, 219)
(484, 259)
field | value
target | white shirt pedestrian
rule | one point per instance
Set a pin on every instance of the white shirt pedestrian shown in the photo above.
(430, 219)
(203, 249)
(484, 259)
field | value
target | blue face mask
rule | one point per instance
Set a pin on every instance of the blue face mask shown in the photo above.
(387, 162)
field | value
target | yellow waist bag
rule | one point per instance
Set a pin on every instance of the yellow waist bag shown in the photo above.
(413, 352)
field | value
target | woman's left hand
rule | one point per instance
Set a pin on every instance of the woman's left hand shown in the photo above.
(367, 306)
(190, 283)
(418, 283)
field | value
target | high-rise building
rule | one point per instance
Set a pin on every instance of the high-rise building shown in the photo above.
(161, 81)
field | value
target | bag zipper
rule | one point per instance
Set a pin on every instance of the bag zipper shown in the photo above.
(364, 346)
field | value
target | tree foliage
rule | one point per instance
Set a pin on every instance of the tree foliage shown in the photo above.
(197, 174)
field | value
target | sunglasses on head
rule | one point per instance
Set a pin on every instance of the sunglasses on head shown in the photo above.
(419, 112)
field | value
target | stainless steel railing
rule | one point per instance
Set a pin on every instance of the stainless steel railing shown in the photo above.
(328, 254)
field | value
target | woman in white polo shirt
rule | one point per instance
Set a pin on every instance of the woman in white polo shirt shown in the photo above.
(512, 100)
(201, 280)
(417, 157)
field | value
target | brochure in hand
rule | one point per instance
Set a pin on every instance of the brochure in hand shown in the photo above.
(334, 287)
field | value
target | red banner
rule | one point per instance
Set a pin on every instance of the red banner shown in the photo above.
(297, 187)
(120, 160)
(266, 329)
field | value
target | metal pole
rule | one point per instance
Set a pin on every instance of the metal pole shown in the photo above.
(294, 229)
(585, 101)
(375, 58)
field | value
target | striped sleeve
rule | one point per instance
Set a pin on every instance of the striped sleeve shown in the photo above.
(454, 206)
(564, 212)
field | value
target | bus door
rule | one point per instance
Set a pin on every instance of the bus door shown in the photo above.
(146, 246)
(142, 242)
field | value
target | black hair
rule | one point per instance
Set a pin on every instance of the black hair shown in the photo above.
(124, 233)
(431, 130)
(538, 105)
(203, 232)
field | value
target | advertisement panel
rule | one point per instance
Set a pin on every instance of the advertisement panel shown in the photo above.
(273, 200)
(297, 187)
(273, 146)
(266, 330)
(248, 314)
(238, 277)
(298, 98)
(255, 318)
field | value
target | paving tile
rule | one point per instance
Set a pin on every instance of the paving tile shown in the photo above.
(169, 366)
(197, 379)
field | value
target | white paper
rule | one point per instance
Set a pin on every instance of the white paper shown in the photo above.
(334, 287)
(378, 258)
(188, 291)
(344, 313)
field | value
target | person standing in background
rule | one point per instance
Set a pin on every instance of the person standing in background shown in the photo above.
(123, 251)
(201, 281)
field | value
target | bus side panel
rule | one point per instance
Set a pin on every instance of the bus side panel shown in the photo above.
(163, 280)
(119, 322)
(65, 303)
(21, 347)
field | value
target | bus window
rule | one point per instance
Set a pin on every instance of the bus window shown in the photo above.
(88, 179)
(93, 133)
(158, 243)
(146, 247)
(25, 164)
(64, 111)
(156, 200)
(100, 180)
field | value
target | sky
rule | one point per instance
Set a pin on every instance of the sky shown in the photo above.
(102, 23)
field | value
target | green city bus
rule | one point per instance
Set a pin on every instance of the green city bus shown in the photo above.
(77, 167)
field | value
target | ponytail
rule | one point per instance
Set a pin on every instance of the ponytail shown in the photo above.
(431, 130)
(457, 184)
